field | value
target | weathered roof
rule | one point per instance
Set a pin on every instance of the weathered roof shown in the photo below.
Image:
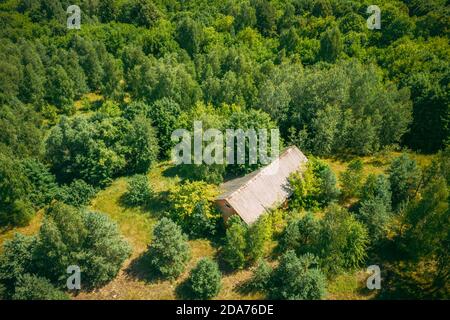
(260, 190)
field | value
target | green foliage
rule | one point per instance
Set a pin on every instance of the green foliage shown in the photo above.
(258, 236)
(78, 193)
(31, 287)
(343, 241)
(261, 277)
(15, 206)
(140, 146)
(70, 236)
(138, 191)
(297, 278)
(313, 188)
(424, 240)
(169, 251)
(192, 207)
(205, 279)
(338, 239)
(301, 235)
(248, 120)
(164, 114)
(351, 179)
(377, 187)
(404, 176)
(331, 45)
(189, 35)
(340, 110)
(234, 250)
(376, 217)
(21, 130)
(15, 260)
(98, 148)
(428, 221)
(60, 88)
(43, 184)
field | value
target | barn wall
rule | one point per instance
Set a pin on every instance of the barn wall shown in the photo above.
(224, 209)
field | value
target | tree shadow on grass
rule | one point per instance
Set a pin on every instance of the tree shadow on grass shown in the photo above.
(245, 287)
(156, 204)
(183, 291)
(141, 269)
(175, 171)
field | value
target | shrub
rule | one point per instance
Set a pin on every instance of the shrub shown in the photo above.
(15, 207)
(258, 236)
(43, 182)
(169, 251)
(78, 193)
(342, 241)
(338, 240)
(377, 187)
(71, 236)
(31, 287)
(201, 224)
(20, 213)
(15, 260)
(261, 277)
(404, 176)
(235, 246)
(314, 188)
(193, 209)
(375, 216)
(138, 191)
(351, 179)
(205, 279)
(301, 235)
(297, 278)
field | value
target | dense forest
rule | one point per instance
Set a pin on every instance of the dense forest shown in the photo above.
(81, 108)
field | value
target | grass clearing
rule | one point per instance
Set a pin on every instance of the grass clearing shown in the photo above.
(350, 286)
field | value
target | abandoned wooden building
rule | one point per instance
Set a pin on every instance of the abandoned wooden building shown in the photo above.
(252, 195)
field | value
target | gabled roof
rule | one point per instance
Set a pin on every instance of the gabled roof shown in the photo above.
(253, 194)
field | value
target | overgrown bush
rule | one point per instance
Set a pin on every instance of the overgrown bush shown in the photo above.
(338, 240)
(258, 236)
(138, 191)
(16, 259)
(169, 251)
(342, 242)
(377, 187)
(100, 147)
(205, 279)
(301, 235)
(376, 217)
(351, 179)
(297, 278)
(261, 277)
(43, 183)
(192, 207)
(78, 193)
(313, 188)
(234, 250)
(71, 236)
(15, 206)
(31, 287)
(404, 176)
